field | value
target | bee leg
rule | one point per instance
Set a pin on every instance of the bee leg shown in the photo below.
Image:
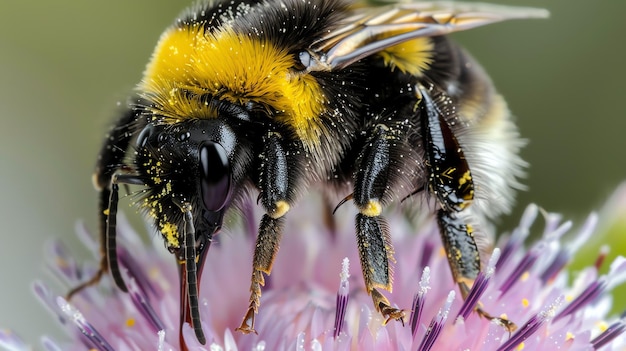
(372, 180)
(270, 232)
(111, 156)
(111, 235)
(461, 249)
(276, 188)
(376, 254)
(450, 181)
(464, 258)
(103, 267)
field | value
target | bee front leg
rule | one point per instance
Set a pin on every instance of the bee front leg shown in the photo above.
(111, 156)
(276, 191)
(372, 181)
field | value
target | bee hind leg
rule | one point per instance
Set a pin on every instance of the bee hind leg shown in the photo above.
(450, 181)
(464, 258)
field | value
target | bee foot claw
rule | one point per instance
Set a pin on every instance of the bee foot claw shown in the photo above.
(394, 314)
(247, 325)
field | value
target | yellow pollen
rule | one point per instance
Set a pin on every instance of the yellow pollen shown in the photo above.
(602, 326)
(520, 346)
(106, 212)
(372, 209)
(569, 298)
(569, 336)
(130, 322)
(524, 276)
(170, 231)
(525, 302)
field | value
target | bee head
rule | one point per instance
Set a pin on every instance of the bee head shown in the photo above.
(190, 163)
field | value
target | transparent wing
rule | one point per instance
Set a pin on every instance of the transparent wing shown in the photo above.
(373, 29)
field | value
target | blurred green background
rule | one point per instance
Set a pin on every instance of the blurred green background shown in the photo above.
(65, 64)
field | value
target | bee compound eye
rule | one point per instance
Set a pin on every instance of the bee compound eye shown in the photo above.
(145, 134)
(215, 174)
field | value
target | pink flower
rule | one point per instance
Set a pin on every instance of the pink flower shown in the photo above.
(315, 298)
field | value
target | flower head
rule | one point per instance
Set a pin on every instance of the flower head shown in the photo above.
(315, 298)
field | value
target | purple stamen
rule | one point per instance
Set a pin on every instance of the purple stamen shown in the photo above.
(342, 298)
(45, 297)
(585, 232)
(418, 300)
(539, 250)
(67, 313)
(91, 336)
(436, 325)
(479, 287)
(554, 268)
(608, 335)
(551, 228)
(62, 263)
(528, 329)
(586, 297)
(617, 272)
(522, 267)
(559, 231)
(519, 235)
(143, 305)
(616, 276)
(136, 273)
(564, 255)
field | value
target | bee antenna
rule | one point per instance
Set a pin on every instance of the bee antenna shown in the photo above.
(345, 199)
(191, 276)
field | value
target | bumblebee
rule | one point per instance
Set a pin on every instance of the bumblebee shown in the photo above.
(283, 97)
